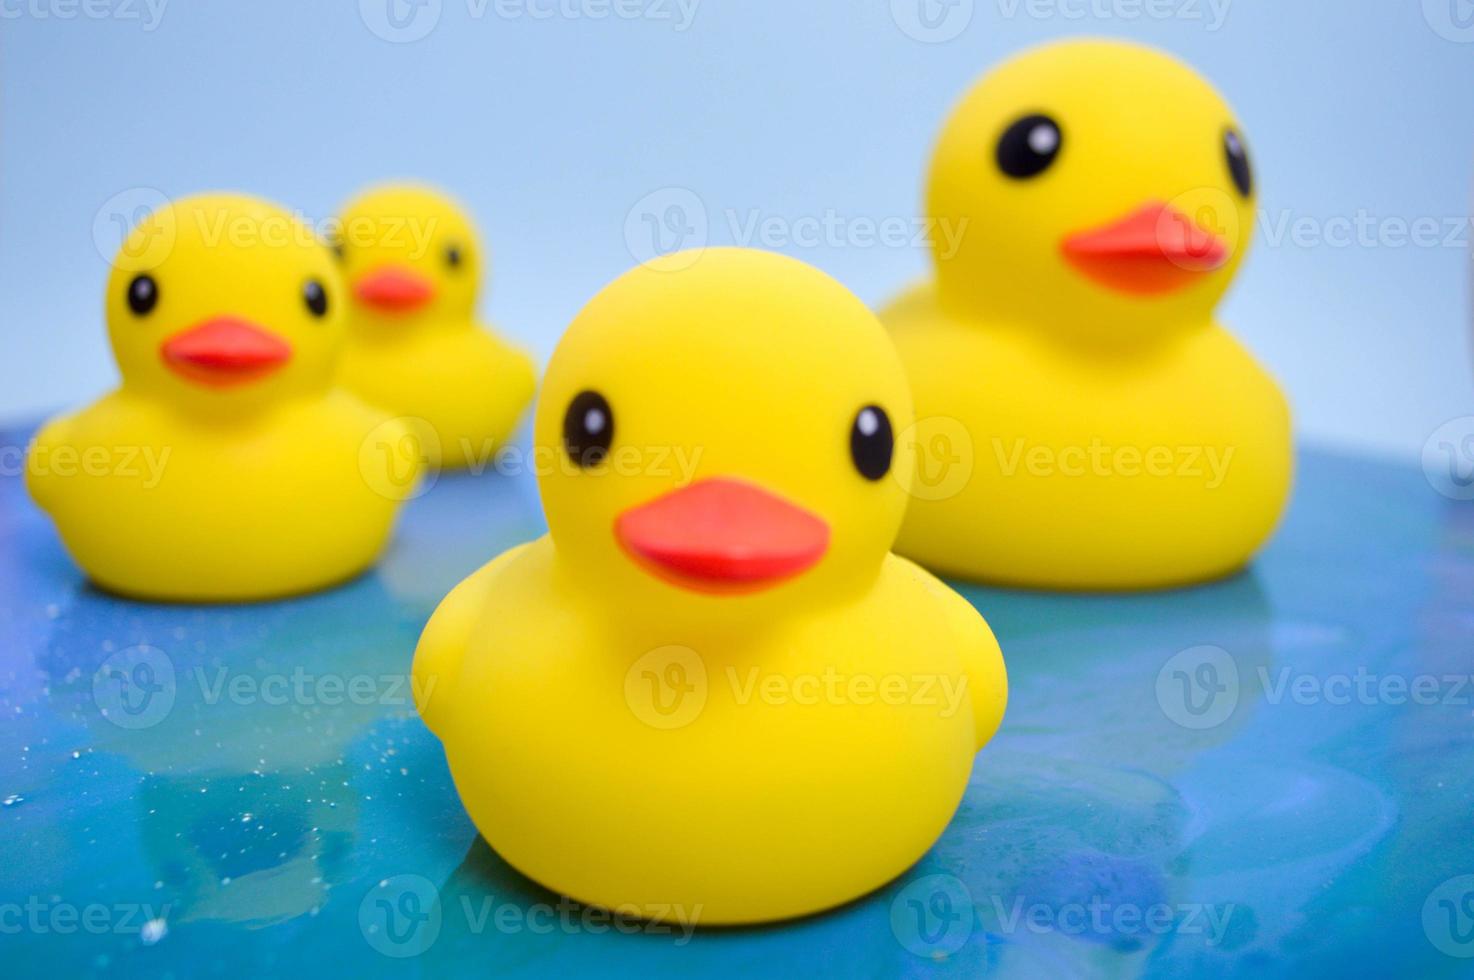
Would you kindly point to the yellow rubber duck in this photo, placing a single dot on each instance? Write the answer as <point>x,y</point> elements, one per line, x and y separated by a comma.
<point>711,693</point>
<point>227,465</point>
<point>414,263</point>
<point>1085,422</point>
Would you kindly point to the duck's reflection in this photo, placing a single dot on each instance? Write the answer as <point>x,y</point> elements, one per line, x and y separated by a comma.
<point>510,924</point>
<point>1067,839</point>
<point>249,849</point>
<point>238,721</point>
<point>1145,680</point>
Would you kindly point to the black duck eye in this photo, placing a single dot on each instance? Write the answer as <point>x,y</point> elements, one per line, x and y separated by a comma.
<point>588,428</point>
<point>453,256</point>
<point>143,294</point>
<point>315,297</point>
<point>1238,162</point>
<point>1029,146</point>
<point>871,442</point>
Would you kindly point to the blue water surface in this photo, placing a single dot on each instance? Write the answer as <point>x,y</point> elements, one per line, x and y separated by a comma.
<point>1266,776</point>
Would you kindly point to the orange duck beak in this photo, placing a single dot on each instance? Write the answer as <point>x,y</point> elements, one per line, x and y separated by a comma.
<point>394,289</point>
<point>722,536</point>
<point>225,351</point>
<point>1156,249</point>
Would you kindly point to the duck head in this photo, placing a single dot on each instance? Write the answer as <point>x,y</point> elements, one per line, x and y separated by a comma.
<point>411,258</point>
<point>719,432</point>
<point>1094,186</point>
<point>222,302</point>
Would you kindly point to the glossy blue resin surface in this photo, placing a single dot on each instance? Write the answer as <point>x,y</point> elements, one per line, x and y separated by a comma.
<point>1264,776</point>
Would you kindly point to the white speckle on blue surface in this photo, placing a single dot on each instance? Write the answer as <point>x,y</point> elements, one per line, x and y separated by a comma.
<point>153,930</point>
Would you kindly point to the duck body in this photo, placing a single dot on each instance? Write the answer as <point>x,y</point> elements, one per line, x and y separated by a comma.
<point>1088,468</point>
<point>201,509</point>
<point>1085,421</point>
<point>427,375</point>
<point>792,779</point>
<point>711,692</point>
<point>414,264</point>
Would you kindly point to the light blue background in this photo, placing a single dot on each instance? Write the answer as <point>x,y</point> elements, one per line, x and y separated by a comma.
<point>553,128</point>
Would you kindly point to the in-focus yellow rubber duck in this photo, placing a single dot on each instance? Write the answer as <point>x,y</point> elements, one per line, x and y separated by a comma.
<point>227,465</point>
<point>711,692</point>
<point>1085,422</point>
<point>414,264</point>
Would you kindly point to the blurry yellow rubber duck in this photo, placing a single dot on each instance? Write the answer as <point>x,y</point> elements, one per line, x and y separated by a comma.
<point>711,691</point>
<point>1086,423</point>
<point>413,264</point>
<point>227,465</point>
